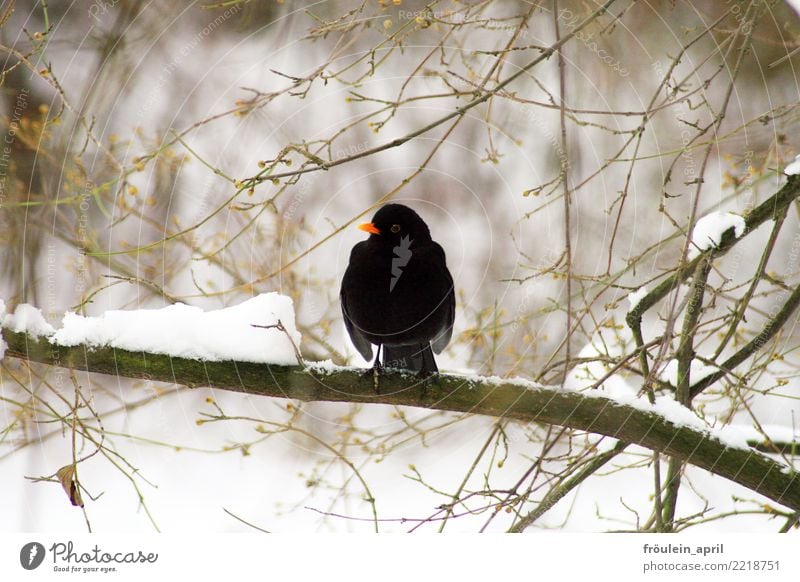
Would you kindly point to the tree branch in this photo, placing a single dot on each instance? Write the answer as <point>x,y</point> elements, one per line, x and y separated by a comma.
<point>499,398</point>
<point>771,209</point>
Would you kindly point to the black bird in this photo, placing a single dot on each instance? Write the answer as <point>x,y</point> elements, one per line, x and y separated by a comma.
<point>397,292</point>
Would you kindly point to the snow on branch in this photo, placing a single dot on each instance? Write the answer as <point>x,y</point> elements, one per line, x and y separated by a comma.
<point>99,345</point>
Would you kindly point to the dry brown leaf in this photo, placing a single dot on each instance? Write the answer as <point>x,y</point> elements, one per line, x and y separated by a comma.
<point>66,475</point>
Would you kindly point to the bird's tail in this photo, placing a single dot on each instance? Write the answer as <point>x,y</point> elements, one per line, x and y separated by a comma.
<point>414,357</point>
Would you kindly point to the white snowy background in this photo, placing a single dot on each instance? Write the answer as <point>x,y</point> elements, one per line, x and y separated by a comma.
<point>476,211</point>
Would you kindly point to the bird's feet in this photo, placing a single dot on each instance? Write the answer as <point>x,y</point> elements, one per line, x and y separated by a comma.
<point>427,375</point>
<point>425,379</point>
<point>375,372</point>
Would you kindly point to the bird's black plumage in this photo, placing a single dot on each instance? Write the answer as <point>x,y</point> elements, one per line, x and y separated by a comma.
<point>397,293</point>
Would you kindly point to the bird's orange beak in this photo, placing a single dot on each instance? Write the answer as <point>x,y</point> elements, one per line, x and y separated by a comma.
<point>369,227</point>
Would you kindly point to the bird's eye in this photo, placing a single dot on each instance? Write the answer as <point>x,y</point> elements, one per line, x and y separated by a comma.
<point>395,228</point>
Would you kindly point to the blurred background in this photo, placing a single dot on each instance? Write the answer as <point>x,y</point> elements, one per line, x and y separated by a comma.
<point>142,141</point>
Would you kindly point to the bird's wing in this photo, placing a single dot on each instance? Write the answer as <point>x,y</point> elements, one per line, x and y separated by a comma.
<point>362,344</point>
<point>444,335</point>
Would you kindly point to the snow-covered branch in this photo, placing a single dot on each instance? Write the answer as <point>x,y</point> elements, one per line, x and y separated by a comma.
<point>664,426</point>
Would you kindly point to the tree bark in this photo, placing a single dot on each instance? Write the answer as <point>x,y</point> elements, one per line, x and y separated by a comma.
<point>474,395</point>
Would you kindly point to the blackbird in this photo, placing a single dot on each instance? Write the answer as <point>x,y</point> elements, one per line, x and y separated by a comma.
<point>397,292</point>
